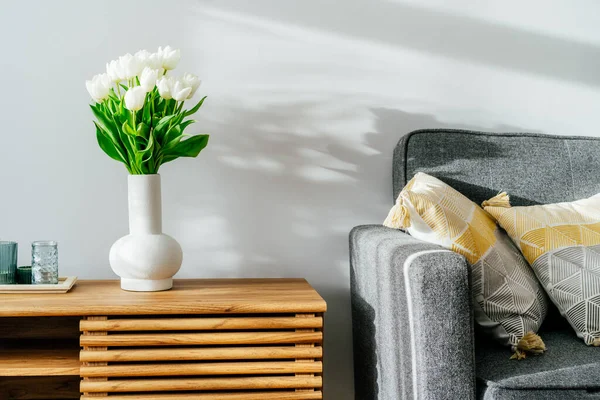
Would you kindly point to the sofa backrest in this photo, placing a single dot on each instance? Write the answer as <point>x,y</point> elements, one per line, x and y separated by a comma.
<point>531,168</point>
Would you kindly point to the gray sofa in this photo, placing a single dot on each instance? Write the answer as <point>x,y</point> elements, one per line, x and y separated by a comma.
<point>411,308</point>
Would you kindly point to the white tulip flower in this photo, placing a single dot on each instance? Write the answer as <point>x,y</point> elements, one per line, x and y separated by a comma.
<point>115,70</point>
<point>148,78</point>
<point>165,85</point>
<point>99,87</point>
<point>169,57</point>
<point>192,81</point>
<point>142,54</point>
<point>180,90</point>
<point>150,60</point>
<point>134,98</point>
<point>131,65</point>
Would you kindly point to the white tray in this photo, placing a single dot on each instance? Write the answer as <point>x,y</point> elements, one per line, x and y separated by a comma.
<point>63,286</point>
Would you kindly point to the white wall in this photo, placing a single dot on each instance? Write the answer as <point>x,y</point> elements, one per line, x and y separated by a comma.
<point>306,100</point>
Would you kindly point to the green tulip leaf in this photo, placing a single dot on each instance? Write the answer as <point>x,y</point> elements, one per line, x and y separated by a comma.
<point>146,113</point>
<point>113,96</point>
<point>144,156</point>
<point>128,129</point>
<point>164,122</point>
<point>157,154</point>
<point>142,130</point>
<point>185,124</point>
<point>195,108</point>
<point>189,147</point>
<point>107,145</point>
<point>148,151</point>
<point>128,145</point>
<point>168,158</point>
<point>122,113</point>
<point>104,121</point>
<point>172,134</point>
<point>140,142</point>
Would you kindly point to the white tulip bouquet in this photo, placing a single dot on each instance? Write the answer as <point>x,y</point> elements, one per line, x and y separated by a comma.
<point>139,110</point>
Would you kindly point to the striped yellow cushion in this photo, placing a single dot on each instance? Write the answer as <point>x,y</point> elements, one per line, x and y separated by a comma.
<point>508,300</point>
<point>562,243</point>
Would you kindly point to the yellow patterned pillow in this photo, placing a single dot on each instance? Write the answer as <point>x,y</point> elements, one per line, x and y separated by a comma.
<point>508,300</point>
<point>562,243</point>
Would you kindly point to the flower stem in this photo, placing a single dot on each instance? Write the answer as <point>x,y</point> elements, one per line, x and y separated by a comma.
<point>151,95</point>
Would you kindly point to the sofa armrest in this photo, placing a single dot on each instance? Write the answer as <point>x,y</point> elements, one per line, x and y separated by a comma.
<point>411,317</point>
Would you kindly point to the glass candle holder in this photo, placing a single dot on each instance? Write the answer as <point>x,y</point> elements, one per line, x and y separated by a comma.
<point>44,262</point>
<point>24,275</point>
<point>8,262</point>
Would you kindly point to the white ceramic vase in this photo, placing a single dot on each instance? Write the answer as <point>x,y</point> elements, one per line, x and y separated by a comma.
<point>146,259</point>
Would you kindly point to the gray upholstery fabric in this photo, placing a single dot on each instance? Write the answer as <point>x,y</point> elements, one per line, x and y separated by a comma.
<point>569,366</point>
<point>533,169</point>
<point>497,393</point>
<point>412,321</point>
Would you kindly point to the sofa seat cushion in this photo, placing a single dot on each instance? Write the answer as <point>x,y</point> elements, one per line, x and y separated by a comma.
<point>568,370</point>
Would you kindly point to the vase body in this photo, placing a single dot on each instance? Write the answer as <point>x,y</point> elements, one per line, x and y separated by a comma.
<point>146,259</point>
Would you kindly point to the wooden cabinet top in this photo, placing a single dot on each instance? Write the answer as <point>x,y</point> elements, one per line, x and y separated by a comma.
<point>188,296</point>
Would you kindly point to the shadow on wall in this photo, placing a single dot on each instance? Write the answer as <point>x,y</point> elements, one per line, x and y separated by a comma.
<point>294,177</point>
<point>439,33</point>
<point>289,193</point>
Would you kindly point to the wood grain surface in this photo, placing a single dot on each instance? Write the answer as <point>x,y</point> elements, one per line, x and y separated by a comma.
<point>221,368</point>
<point>195,324</point>
<point>152,385</point>
<point>39,362</point>
<point>200,354</point>
<point>188,296</point>
<point>179,339</point>
<point>92,349</point>
<point>271,395</point>
<point>216,339</point>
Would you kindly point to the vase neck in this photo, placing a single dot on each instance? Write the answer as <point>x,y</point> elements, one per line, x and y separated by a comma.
<point>145,208</point>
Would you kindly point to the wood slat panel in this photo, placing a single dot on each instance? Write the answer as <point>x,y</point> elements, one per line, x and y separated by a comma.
<point>151,385</point>
<point>219,353</point>
<point>317,395</point>
<point>192,324</point>
<point>237,338</point>
<point>305,361</point>
<point>92,349</point>
<point>233,368</point>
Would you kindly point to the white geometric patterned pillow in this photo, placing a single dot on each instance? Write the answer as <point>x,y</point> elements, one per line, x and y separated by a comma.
<point>562,243</point>
<point>508,300</point>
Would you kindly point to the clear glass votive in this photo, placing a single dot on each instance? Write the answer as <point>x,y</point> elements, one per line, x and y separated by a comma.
<point>8,262</point>
<point>44,262</point>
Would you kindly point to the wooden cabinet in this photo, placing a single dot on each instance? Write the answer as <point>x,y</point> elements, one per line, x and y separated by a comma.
<point>241,339</point>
